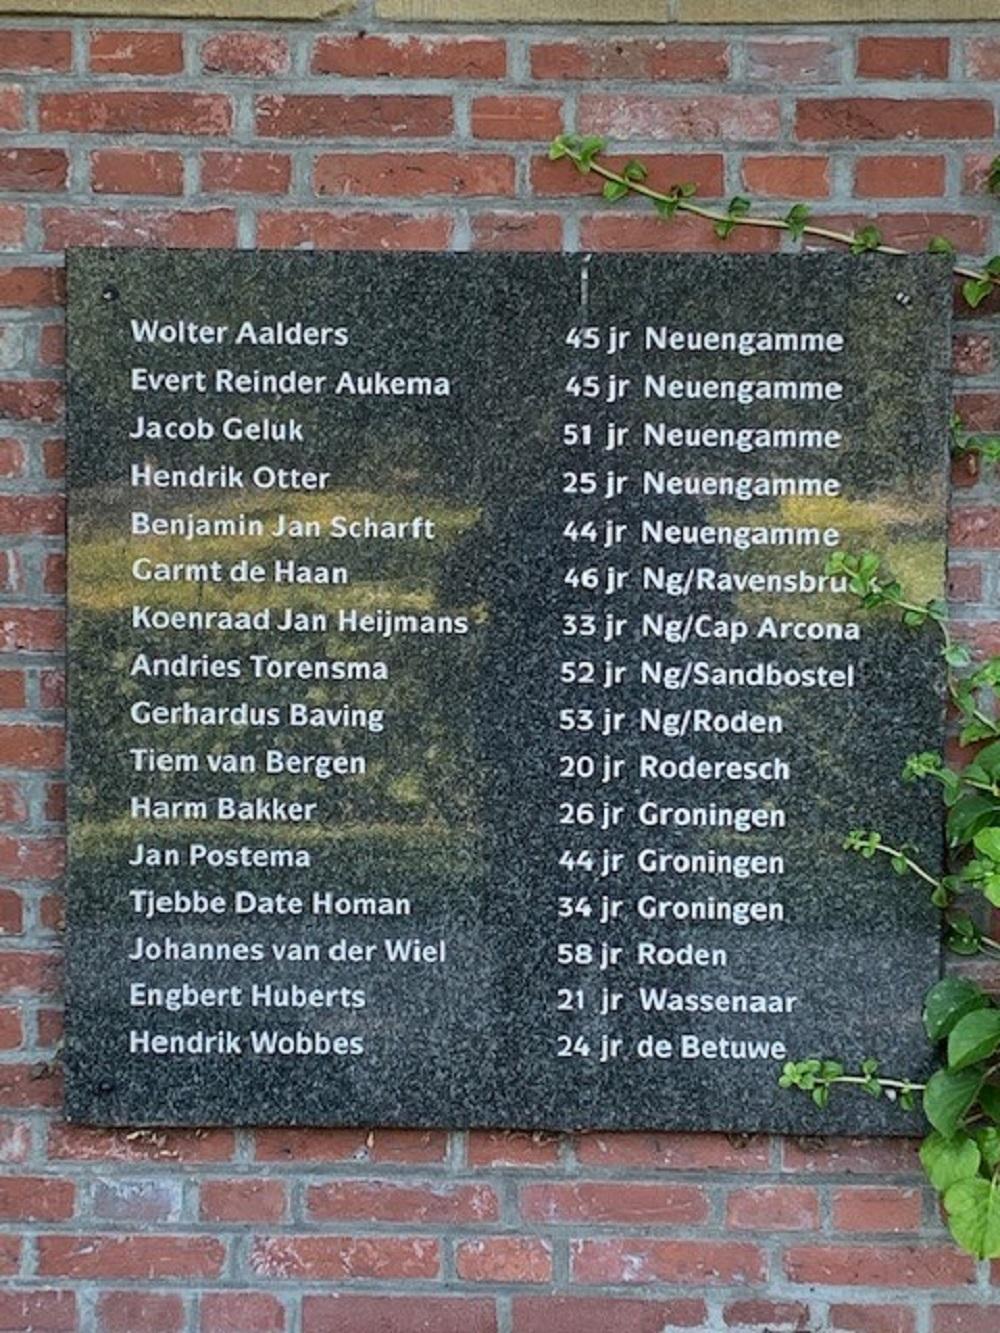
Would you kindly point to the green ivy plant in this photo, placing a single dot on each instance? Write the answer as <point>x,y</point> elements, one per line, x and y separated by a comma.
<point>961,1100</point>
<point>586,152</point>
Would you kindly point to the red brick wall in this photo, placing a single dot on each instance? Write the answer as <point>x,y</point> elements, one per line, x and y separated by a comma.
<point>300,136</point>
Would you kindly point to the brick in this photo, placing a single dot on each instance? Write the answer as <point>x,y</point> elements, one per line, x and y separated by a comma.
<point>634,1202</point>
<point>965,583</point>
<point>91,1257</point>
<point>674,1152</point>
<point>791,60</point>
<point>903,57</point>
<point>33,169</point>
<point>963,1319</point>
<point>13,219</point>
<point>10,1256</point>
<point>397,1314</point>
<point>502,1147</point>
<point>504,1259</point>
<point>11,108</point>
<point>64,227</point>
<point>367,56</point>
<point>241,1200</point>
<point>622,231</point>
<point>29,746</point>
<point>334,1258</point>
<point>339,116</point>
<point>877,118</point>
<point>975,172</point>
<point>401,1201</point>
<point>36,971</point>
<point>704,170</point>
<point>982,57</point>
<point>11,1039</point>
<point>15,1142</point>
<point>258,55</point>
<point>802,176</point>
<point>521,117</point>
<point>407,1146</point>
<point>52,689</point>
<point>135,112</point>
<point>978,528</point>
<point>12,689</point>
<point>11,923</point>
<point>773,1208</point>
<point>881,1210</point>
<point>27,49</point>
<point>772,1316</point>
<point>170,1146</point>
<point>29,1086</point>
<point>11,465</point>
<point>632,116</point>
<point>645,58</point>
<point>38,1311</point>
<point>136,171</point>
<point>851,1156</point>
<point>632,1260</point>
<point>25,515</point>
<point>241,1312</point>
<point>353,231</point>
<point>225,172</point>
<point>52,345</point>
<point>872,1319</point>
<point>972,354</point>
<point>594,1314</point>
<point>413,175</point>
<point>35,1199</point>
<point>969,234</point>
<point>37,287</point>
<point>126,1199</point>
<point>32,631</point>
<point>147,52</point>
<point>915,1266</point>
<point>901,176</point>
<point>516,231</point>
<point>55,802</point>
<point>979,411</point>
<point>129,1311</point>
<point>13,807</point>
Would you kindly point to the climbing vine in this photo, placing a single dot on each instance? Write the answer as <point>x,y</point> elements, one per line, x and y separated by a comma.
<point>961,1100</point>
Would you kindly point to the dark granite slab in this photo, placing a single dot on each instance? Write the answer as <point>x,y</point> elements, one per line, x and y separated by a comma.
<point>344,858</point>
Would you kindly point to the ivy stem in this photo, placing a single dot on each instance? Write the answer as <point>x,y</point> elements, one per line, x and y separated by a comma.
<point>682,205</point>
<point>902,1084</point>
<point>985,940</point>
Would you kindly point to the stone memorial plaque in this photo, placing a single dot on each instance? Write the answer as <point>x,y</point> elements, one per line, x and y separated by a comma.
<point>463,728</point>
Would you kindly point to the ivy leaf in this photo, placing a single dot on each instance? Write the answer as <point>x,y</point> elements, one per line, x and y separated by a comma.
<point>948,1096</point>
<point>614,190</point>
<point>988,1143</point>
<point>969,815</point>
<point>989,1100</point>
<point>973,1038</point>
<point>993,176</point>
<point>738,208</point>
<point>947,1002</point>
<point>948,1161</point>
<point>964,936</point>
<point>865,239</point>
<point>940,245</point>
<point>973,1208</point>
<point>976,290</point>
<point>558,148</point>
<point>957,655</point>
<point>583,151</point>
<point>796,219</point>
<point>634,170</point>
<point>667,206</point>
<point>987,841</point>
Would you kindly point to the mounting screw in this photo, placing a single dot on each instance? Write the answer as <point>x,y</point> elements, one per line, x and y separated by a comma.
<point>903,298</point>
<point>109,294</point>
